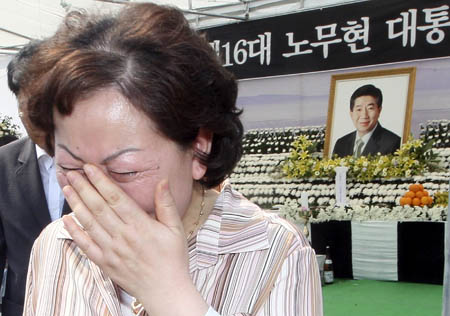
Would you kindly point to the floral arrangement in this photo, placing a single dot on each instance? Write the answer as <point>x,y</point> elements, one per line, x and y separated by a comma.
<point>355,212</point>
<point>441,198</point>
<point>278,140</point>
<point>437,131</point>
<point>444,157</point>
<point>294,212</point>
<point>268,192</point>
<point>8,128</point>
<point>413,158</point>
<point>260,178</point>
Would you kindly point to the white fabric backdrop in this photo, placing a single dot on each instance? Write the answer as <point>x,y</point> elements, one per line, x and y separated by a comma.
<point>374,250</point>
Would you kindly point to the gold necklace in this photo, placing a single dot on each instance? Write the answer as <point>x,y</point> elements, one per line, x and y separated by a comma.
<point>202,206</point>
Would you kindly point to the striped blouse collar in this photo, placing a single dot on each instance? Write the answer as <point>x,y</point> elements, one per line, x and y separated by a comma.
<point>235,225</point>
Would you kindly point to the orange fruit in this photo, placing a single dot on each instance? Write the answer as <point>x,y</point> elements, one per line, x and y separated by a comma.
<point>403,201</point>
<point>424,200</point>
<point>414,187</point>
<point>408,201</point>
<point>420,186</point>
<point>410,194</point>
<point>419,194</point>
<point>425,193</point>
<point>416,201</point>
<point>430,200</point>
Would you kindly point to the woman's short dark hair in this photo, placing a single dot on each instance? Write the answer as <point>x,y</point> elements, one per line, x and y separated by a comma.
<point>164,68</point>
<point>368,89</point>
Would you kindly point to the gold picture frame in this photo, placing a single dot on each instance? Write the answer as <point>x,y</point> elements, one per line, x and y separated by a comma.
<point>397,86</point>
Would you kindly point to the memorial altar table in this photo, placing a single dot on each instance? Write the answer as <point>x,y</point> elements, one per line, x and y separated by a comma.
<point>381,250</point>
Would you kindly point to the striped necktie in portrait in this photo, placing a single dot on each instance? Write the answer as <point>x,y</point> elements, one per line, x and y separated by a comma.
<point>359,146</point>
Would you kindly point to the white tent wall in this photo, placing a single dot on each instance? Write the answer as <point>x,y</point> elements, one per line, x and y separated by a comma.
<point>257,9</point>
<point>22,20</point>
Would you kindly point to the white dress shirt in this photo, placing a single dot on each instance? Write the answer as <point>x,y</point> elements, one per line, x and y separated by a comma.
<point>53,193</point>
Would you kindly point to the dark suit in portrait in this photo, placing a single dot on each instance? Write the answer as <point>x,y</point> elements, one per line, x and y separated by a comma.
<point>23,215</point>
<point>382,141</point>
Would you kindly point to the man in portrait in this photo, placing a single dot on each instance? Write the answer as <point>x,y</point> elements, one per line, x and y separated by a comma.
<point>370,137</point>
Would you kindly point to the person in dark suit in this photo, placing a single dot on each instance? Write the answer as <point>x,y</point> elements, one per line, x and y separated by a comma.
<point>369,138</point>
<point>7,139</point>
<point>30,197</point>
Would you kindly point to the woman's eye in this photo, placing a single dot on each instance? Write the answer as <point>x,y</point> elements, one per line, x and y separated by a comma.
<point>67,169</point>
<point>124,176</point>
<point>128,173</point>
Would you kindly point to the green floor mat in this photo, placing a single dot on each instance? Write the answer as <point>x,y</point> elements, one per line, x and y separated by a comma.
<point>381,298</point>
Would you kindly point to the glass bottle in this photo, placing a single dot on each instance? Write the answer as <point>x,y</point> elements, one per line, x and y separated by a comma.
<point>328,272</point>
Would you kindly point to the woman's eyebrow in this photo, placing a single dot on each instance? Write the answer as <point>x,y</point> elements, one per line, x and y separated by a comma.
<point>119,153</point>
<point>64,147</point>
<point>104,161</point>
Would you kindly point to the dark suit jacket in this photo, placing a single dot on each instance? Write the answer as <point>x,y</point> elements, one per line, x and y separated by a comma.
<point>23,215</point>
<point>382,141</point>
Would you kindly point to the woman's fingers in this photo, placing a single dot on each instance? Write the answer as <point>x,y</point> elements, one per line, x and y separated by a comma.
<point>132,248</point>
<point>125,207</point>
<point>92,208</point>
<point>84,240</point>
<point>166,210</point>
<point>114,226</point>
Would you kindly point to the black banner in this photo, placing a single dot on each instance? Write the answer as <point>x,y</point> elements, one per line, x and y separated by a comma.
<point>426,265</point>
<point>352,35</point>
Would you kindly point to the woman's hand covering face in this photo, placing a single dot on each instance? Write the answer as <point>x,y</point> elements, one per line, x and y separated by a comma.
<point>145,256</point>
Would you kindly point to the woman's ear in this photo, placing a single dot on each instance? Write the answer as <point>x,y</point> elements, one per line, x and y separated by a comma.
<point>201,147</point>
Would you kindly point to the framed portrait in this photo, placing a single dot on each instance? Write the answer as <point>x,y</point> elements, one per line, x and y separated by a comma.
<point>345,125</point>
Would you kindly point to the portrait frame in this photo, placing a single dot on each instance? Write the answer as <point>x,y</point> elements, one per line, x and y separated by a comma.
<point>397,86</point>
